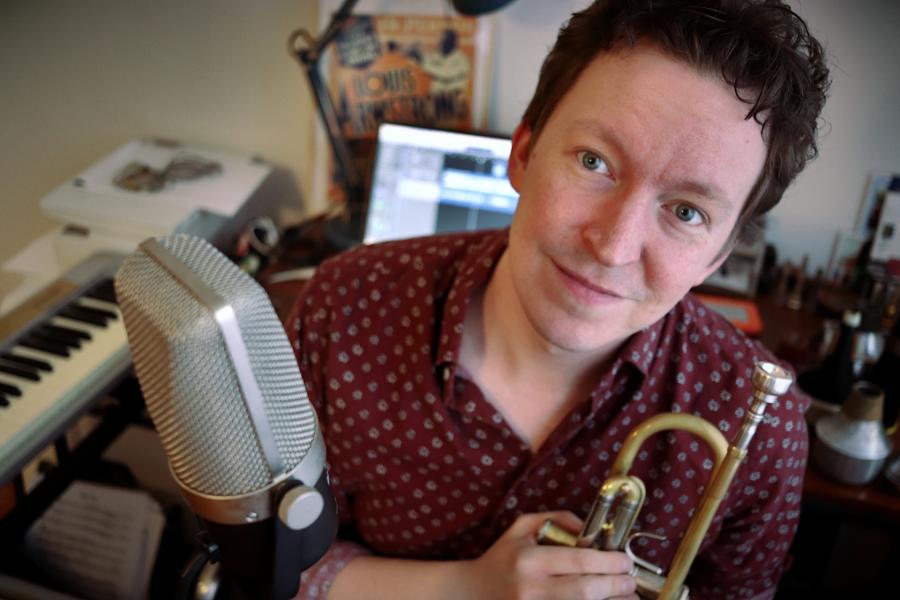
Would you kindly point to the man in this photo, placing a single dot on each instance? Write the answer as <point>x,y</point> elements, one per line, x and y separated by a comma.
<point>470,386</point>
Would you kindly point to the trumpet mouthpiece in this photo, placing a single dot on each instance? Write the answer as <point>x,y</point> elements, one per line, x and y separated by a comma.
<point>771,379</point>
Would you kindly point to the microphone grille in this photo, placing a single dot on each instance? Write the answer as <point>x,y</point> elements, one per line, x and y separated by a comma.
<point>189,380</point>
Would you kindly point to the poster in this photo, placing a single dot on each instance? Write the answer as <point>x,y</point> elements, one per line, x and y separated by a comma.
<point>420,70</point>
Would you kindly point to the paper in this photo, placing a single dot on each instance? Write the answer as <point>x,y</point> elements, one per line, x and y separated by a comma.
<point>99,542</point>
<point>223,193</point>
<point>93,201</point>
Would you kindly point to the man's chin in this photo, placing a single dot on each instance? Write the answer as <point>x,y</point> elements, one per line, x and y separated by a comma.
<point>575,339</point>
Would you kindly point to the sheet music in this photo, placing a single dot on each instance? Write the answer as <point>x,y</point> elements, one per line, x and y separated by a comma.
<point>99,542</point>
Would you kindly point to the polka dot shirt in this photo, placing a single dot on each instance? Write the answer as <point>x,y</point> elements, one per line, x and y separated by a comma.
<point>424,467</point>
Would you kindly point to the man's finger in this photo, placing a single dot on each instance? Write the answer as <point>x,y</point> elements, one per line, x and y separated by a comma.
<point>592,586</point>
<point>562,560</point>
<point>528,524</point>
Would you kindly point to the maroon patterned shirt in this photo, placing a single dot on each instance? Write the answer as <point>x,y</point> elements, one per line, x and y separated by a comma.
<point>424,467</point>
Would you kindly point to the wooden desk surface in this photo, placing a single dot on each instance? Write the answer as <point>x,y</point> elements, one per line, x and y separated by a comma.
<point>787,333</point>
<point>878,499</point>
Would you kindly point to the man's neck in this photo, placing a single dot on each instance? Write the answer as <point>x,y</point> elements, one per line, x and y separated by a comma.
<point>533,383</point>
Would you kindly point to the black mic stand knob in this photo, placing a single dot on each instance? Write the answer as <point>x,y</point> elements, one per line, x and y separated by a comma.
<point>200,577</point>
<point>208,581</point>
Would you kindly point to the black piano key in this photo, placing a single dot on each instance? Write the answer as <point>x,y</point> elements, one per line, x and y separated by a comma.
<point>109,314</point>
<point>70,332</point>
<point>19,370</point>
<point>48,336</point>
<point>9,389</point>
<point>36,343</point>
<point>41,365</point>
<point>105,291</point>
<point>4,401</point>
<point>94,316</point>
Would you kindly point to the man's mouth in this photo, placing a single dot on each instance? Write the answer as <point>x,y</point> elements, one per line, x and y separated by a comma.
<point>586,289</point>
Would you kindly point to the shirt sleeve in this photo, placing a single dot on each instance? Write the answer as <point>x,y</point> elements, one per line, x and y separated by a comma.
<point>307,329</point>
<point>316,581</point>
<point>751,551</point>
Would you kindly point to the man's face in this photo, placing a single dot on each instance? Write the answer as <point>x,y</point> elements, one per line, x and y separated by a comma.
<point>627,197</point>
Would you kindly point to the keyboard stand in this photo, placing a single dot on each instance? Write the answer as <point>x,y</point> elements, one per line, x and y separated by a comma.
<point>126,410</point>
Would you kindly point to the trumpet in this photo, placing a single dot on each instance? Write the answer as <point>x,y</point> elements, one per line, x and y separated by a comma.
<point>626,493</point>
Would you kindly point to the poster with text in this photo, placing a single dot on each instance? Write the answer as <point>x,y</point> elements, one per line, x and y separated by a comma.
<point>420,70</point>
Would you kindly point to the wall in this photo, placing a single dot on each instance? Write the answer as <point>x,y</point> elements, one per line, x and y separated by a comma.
<point>80,78</point>
<point>863,124</point>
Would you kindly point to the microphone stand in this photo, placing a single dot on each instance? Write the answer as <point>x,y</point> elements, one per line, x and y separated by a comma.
<point>229,566</point>
<point>190,585</point>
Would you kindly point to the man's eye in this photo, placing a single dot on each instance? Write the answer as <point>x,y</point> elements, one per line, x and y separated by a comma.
<point>592,162</point>
<point>688,214</point>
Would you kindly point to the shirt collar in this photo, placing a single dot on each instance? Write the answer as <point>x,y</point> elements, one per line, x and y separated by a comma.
<point>641,347</point>
<point>474,271</point>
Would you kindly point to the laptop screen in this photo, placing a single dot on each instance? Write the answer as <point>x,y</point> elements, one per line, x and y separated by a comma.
<point>427,181</point>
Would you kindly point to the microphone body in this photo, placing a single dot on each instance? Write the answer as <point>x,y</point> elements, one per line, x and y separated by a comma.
<point>223,389</point>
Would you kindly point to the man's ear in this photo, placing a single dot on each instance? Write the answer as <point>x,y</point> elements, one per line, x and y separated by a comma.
<point>518,156</point>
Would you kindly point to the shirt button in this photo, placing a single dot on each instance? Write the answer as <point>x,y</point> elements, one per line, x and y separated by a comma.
<point>446,373</point>
<point>511,502</point>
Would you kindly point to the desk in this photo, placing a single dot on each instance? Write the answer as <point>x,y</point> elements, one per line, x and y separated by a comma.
<point>787,333</point>
<point>876,501</point>
<point>849,535</point>
<point>283,294</point>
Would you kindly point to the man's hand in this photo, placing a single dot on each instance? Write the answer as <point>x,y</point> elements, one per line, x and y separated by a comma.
<point>516,567</point>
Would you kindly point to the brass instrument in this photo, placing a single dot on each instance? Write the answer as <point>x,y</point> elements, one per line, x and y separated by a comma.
<point>613,532</point>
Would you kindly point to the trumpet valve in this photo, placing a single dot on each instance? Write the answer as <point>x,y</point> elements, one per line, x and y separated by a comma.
<point>552,534</point>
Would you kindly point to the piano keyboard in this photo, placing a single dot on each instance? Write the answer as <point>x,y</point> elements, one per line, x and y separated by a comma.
<point>59,351</point>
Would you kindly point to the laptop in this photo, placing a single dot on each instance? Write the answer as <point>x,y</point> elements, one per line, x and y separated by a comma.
<point>426,181</point>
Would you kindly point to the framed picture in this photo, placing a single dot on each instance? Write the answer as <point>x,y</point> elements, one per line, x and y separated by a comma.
<point>878,184</point>
<point>739,274</point>
<point>845,253</point>
<point>886,242</point>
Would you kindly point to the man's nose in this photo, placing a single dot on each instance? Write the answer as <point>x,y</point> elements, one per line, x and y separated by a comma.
<point>617,232</point>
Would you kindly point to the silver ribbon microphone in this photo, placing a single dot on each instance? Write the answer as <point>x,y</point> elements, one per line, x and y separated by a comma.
<point>223,389</point>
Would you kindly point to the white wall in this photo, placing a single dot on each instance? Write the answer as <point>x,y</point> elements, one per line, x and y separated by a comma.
<point>862,40</point>
<point>78,78</point>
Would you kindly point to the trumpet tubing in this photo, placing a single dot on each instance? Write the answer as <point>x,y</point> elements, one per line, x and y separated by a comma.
<point>608,530</point>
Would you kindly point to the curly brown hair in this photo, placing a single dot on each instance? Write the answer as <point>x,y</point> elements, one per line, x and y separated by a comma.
<point>762,48</point>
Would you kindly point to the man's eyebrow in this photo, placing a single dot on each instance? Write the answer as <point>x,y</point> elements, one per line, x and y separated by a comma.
<point>706,190</point>
<point>597,130</point>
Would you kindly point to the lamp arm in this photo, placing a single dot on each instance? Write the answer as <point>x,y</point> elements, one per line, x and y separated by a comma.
<point>309,57</point>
